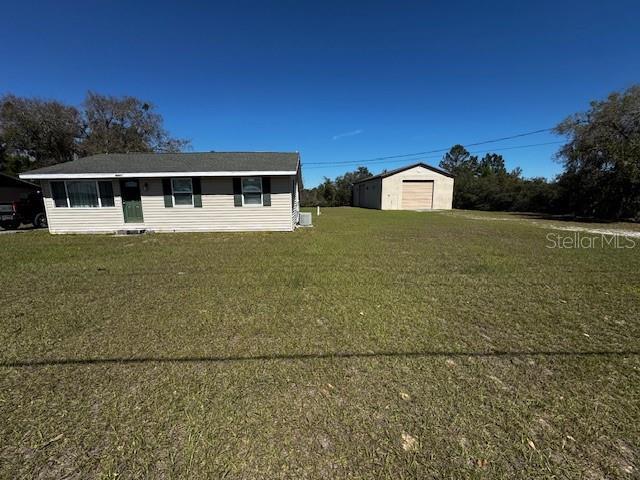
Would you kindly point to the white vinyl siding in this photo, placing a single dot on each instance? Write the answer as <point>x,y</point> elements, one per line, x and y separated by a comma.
<point>79,220</point>
<point>217,213</point>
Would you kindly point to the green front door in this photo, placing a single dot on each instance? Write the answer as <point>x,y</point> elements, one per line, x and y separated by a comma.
<point>131,204</point>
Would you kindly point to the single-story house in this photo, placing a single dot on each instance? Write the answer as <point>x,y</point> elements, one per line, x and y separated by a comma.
<point>172,192</point>
<point>414,187</point>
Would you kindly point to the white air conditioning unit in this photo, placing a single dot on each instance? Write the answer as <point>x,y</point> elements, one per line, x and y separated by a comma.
<point>305,219</point>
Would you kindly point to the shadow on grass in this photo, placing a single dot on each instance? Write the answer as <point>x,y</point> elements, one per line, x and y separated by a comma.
<point>309,356</point>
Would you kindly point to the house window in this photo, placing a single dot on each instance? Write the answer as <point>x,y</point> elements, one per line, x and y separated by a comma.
<point>182,189</point>
<point>83,194</point>
<point>252,191</point>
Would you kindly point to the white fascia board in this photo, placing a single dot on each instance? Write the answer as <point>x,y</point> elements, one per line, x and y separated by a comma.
<point>69,176</point>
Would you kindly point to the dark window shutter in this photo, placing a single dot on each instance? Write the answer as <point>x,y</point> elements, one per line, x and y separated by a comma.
<point>266,191</point>
<point>197,192</point>
<point>166,190</point>
<point>59,194</point>
<point>237,192</point>
<point>106,193</point>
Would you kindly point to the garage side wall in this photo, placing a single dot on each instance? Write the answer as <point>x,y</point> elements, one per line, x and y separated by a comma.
<point>368,194</point>
<point>442,188</point>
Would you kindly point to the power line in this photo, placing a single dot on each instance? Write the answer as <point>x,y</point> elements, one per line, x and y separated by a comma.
<point>361,162</point>
<point>438,156</point>
<point>439,150</point>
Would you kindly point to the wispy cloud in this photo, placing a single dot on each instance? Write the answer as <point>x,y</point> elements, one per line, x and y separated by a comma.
<point>353,133</point>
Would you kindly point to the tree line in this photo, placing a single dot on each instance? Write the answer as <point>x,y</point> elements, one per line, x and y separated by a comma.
<point>601,156</point>
<point>600,178</point>
<point>480,184</point>
<point>36,133</point>
<point>333,193</point>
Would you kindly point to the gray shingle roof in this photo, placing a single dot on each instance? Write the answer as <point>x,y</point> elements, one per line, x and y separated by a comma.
<point>402,169</point>
<point>110,163</point>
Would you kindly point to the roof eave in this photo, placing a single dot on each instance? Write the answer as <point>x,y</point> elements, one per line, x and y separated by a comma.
<point>402,169</point>
<point>70,176</point>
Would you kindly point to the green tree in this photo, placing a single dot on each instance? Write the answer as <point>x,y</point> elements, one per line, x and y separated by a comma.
<point>327,193</point>
<point>334,193</point>
<point>36,133</point>
<point>460,163</point>
<point>124,124</point>
<point>459,160</point>
<point>492,164</point>
<point>344,185</point>
<point>487,185</point>
<point>602,157</point>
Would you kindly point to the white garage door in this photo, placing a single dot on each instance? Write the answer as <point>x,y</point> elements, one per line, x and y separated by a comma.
<point>417,194</point>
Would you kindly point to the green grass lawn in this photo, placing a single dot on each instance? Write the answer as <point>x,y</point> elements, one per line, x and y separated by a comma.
<point>374,345</point>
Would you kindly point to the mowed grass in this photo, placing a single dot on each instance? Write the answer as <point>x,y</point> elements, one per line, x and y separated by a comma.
<point>374,345</point>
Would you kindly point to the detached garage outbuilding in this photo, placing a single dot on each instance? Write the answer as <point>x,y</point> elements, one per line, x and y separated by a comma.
<point>414,187</point>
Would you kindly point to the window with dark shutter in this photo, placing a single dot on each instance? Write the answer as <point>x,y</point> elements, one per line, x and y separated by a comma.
<point>106,193</point>
<point>266,191</point>
<point>59,194</point>
<point>237,192</point>
<point>197,192</point>
<point>166,191</point>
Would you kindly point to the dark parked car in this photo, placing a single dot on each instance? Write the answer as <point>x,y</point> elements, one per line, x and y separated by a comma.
<point>20,202</point>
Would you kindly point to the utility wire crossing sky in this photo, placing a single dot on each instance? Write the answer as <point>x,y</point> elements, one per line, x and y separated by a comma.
<point>445,149</point>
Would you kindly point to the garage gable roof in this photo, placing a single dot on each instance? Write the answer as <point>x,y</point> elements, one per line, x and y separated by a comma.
<point>402,169</point>
<point>110,165</point>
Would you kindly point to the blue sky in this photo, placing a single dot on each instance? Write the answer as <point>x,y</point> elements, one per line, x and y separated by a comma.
<point>337,81</point>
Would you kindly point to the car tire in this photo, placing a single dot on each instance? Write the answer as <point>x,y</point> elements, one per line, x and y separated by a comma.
<point>10,225</point>
<point>40,220</point>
